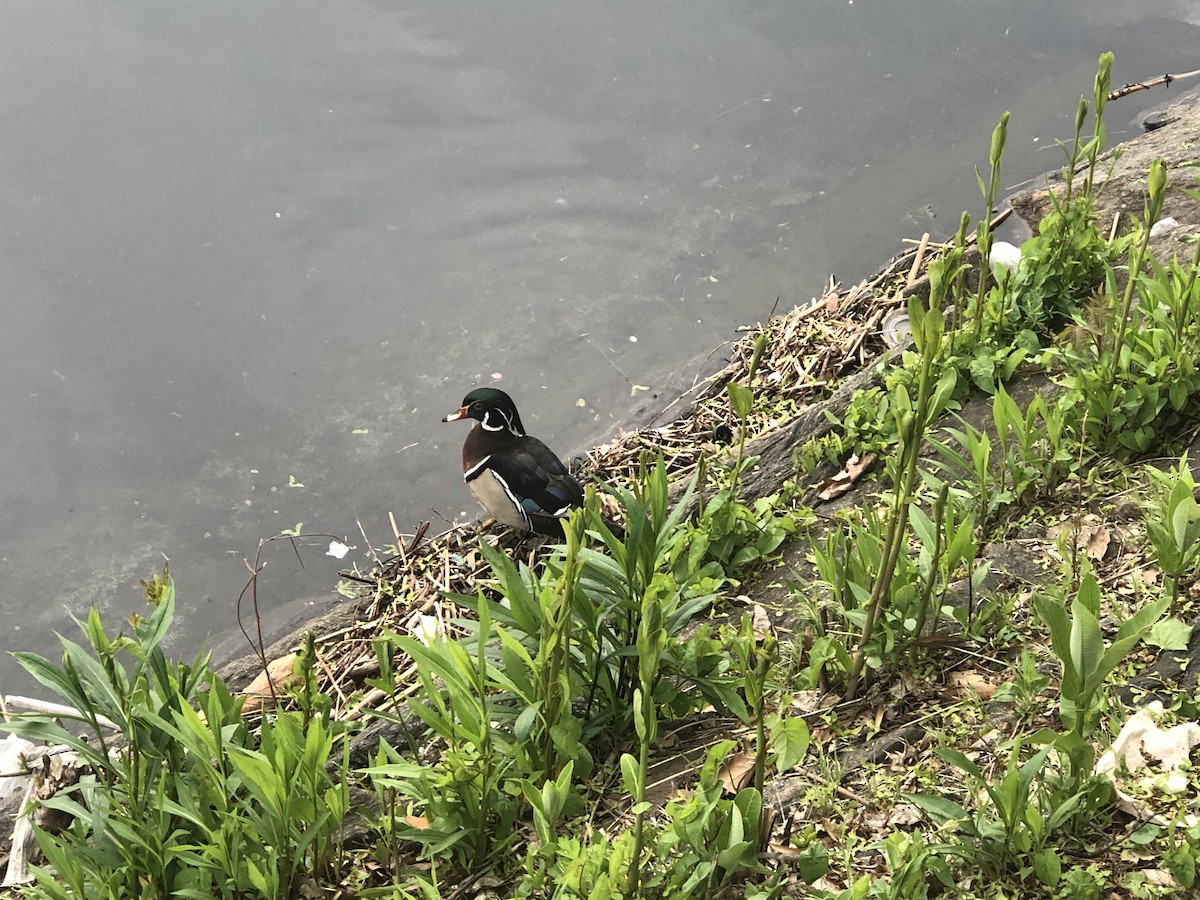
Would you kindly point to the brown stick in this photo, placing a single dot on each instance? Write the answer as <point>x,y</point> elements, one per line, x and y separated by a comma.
<point>1146,85</point>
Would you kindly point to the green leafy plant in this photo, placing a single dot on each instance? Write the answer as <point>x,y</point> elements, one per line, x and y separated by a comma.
<point>738,535</point>
<point>755,656</point>
<point>1033,456</point>
<point>711,840</point>
<point>1026,689</point>
<point>1010,833</point>
<point>913,416</point>
<point>1183,854</point>
<point>1065,262</point>
<point>190,803</point>
<point>1078,642</point>
<point>1095,146</point>
<point>983,231</point>
<point>657,555</point>
<point>463,796</point>
<point>1173,522</point>
<point>847,561</point>
<point>650,644</point>
<point>1134,381</point>
<point>1156,193</point>
<point>296,805</point>
<point>948,546</point>
<point>919,869</point>
<point>741,398</point>
<point>548,803</point>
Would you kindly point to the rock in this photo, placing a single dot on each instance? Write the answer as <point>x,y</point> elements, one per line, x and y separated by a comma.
<point>1155,119</point>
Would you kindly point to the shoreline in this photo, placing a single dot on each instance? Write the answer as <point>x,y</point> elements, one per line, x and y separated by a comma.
<point>847,320</point>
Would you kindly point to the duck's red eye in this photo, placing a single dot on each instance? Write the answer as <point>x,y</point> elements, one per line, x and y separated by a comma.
<point>478,404</point>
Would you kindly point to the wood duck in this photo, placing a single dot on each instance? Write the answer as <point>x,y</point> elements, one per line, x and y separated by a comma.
<point>517,478</point>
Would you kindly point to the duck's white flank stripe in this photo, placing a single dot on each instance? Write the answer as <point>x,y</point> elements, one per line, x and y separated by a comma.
<point>474,471</point>
<point>514,500</point>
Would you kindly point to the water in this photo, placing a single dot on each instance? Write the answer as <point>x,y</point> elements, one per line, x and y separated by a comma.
<point>249,247</point>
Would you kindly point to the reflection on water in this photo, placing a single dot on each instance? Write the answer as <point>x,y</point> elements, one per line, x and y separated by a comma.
<point>251,254</point>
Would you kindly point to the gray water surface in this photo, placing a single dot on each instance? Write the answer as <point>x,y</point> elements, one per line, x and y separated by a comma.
<point>246,247</point>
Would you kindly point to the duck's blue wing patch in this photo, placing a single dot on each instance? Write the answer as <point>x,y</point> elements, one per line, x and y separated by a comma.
<point>540,479</point>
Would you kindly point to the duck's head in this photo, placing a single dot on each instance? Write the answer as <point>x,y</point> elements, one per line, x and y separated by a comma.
<point>493,408</point>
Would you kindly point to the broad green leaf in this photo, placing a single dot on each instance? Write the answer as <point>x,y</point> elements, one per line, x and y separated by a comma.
<point>940,809</point>
<point>259,879</point>
<point>1087,643</point>
<point>959,761</point>
<point>629,774</point>
<point>922,526</point>
<point>1063,812</point>
<point>789,739</point>
<point>1142,619</point>
<point>1184,519</point>
<point>814,862</point>
<point>741,398</point>
<point>1051,611</point>
<point>1047,866</point>
<point>1169,634</point>
<point>943,392</point>
<point>1127,635</point>
<point>1030,770</point>
<point>734,830</point>
<point>1089,594</point>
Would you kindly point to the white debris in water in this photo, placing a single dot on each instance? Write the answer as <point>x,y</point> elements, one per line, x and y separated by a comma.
<point>337,550</point>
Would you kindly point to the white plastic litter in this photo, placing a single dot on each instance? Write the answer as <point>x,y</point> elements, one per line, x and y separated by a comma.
<point>1152,758</point>
<point>1164,226</point>
<point>1004,256</point>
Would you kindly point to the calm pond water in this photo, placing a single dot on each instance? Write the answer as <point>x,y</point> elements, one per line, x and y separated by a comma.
<point>251,253</point>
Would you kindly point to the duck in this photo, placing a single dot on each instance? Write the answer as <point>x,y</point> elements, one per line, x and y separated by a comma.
<point>518,479</point>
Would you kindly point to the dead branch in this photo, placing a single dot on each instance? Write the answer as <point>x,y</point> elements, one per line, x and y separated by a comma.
<point>1146,85</point>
